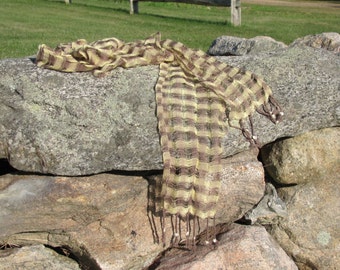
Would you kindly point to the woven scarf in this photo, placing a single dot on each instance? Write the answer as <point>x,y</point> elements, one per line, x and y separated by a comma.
<point>197,98</point>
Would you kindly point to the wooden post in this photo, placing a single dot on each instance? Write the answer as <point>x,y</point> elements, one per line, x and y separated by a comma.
<point>236,12</point>
<point>134,7</point>
<point>234,4</point>
<point>68,1</point>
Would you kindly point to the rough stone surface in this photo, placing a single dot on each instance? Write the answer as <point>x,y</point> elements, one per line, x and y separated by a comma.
<point>75,124</point>
<point>329,41</point>
<point>308,168</point>
<point>94,215</point>
<point>241,248</point>
<point>35,257</point>
<point>235,46</point>
<point>270,210</point>
<point>51,119</point>
<point>242,187</point>
<point>303,158</point>
<point>310,233</point>
<point>301,81</point>
<point>103,219</point>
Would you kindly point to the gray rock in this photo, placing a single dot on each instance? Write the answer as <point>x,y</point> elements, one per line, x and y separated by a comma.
<point>35,257</point>
<point>303,158</point>
<point>310,233</point>
<point>76,124</point>
<point>235,46</point>
<point>328,41</point>
<point>305,81</point>
<point>270,210</point>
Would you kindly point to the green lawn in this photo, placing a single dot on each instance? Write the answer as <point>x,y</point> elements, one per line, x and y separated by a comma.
<point>24,24</point>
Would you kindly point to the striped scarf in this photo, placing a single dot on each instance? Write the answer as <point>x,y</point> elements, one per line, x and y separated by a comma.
<point>197,98</point>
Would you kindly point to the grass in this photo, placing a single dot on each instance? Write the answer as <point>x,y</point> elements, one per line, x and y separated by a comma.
<point>24,24</point>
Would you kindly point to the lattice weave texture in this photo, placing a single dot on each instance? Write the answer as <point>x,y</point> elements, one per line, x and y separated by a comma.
<point>196,96</point>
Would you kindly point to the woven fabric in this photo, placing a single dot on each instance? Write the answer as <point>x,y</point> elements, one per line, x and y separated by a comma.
<point>197,96</point>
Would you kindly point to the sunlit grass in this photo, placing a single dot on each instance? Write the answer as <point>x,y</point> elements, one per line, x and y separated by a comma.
<point>24,24</point>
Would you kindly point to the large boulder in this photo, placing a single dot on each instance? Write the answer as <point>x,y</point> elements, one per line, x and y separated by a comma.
<point>307,169</point>
<point>76,124</point>
<point>103,219</point>
<point>303,158</point>
<point>310,232</point>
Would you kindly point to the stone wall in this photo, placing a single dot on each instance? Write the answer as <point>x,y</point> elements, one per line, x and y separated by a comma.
<point>79,157</point>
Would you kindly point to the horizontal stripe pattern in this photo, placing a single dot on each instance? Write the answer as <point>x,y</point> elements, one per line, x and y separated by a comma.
<point>195,96</point>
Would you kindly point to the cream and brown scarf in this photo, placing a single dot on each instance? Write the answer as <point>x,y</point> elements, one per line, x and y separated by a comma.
<point>197,98</point>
